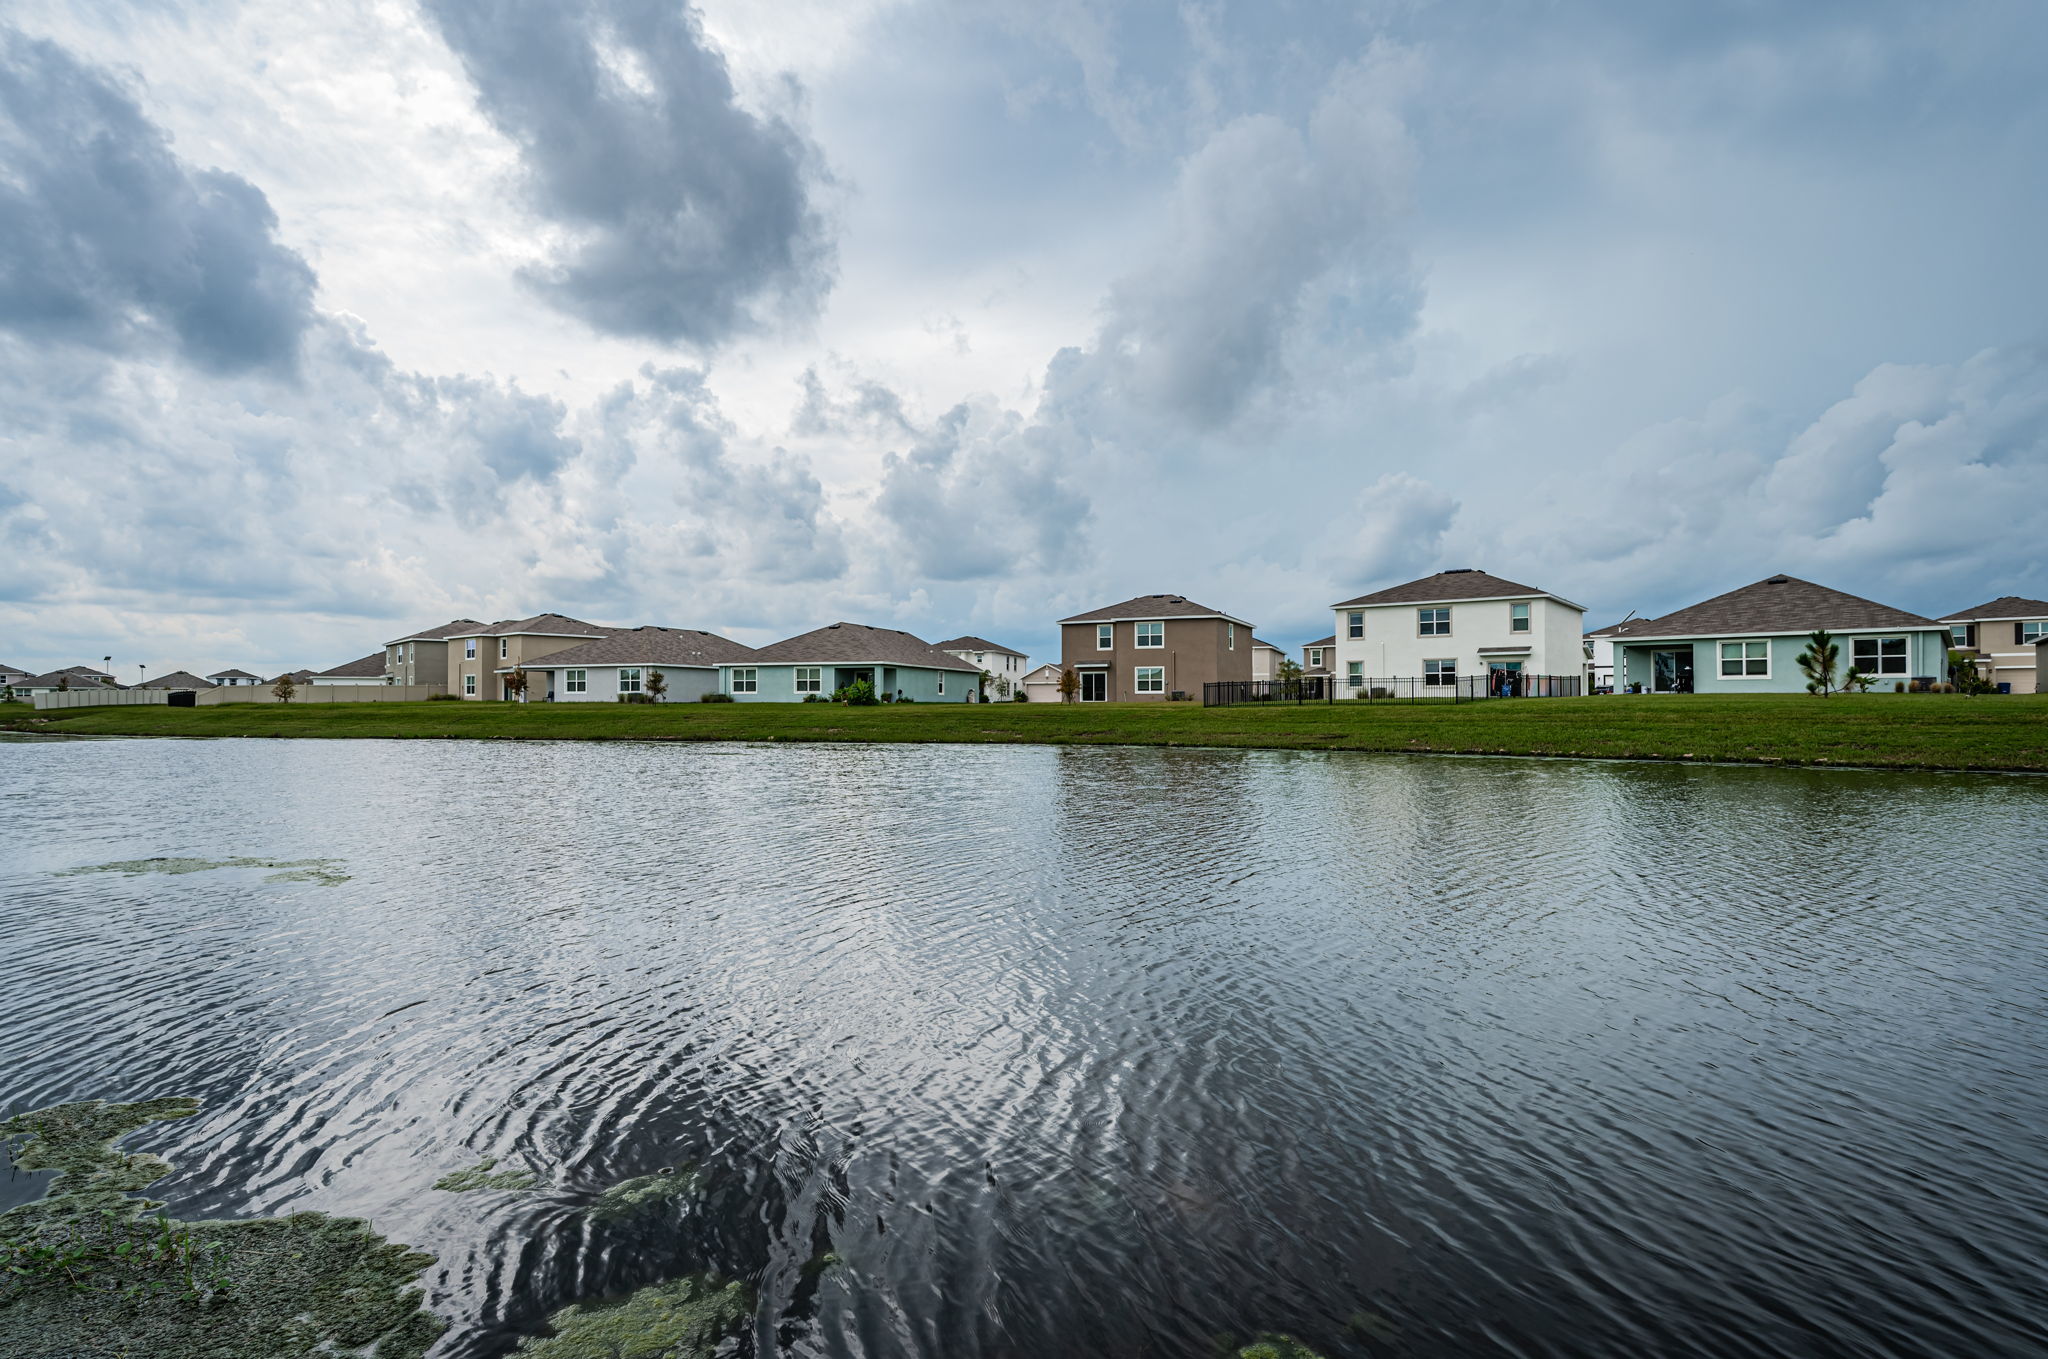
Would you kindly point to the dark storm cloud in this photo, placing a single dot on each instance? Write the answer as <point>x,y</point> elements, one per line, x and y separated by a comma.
<point>687,214</point>
<point>107,238</point>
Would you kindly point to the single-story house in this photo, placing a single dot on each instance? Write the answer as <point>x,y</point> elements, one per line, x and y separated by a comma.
<point>2001,637</point>
<point>229,679</point>
<point>1043,684</point>
<point>70,677</point>
<point>362,670</point>
<point>1747,641</point>
<point>1005,667</point>
<point>1266,660</point>
<point>177,679</point>
<point>1462,621</point>
<point>620,665</point>
<point>831,658</point>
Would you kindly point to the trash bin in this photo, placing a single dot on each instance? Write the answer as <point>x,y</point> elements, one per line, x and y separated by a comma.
<point>2005,687</point>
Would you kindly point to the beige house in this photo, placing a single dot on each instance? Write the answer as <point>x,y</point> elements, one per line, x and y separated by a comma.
<point>177,679</point>
<point>480,659</point>
<point>2002,637</point>
<point>422,657</point>
<point>1266,660</point>
<point>362,670</point>
<point>1153,647</point>
<point>1318,656</point>
<point>1042,685</point>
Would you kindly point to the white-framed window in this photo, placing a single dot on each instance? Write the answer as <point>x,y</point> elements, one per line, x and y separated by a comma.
<point>1230,635</point>
<point>1745,660</point>
<point>810,679</point>
<point>2032,631</point>
<point>1354,674</point>
<point>1105,636</point>
<point>1518,618</point>
<point>1151,634</point>
<point>1962,634</point>
<point>1439,673</point>
<point>979,658</point>
<point>1151,679</point>
<point>1432,622</point>
<point>575,682</point>
<point>504,648</point>
<point>746,680</point>
<point>1354,623</point>
<point>469,649</point>
<point>1880,655</point>
<point>1315,656</point>
<point>942,681</point>
<point>629,679</point>
<point>469,685</point>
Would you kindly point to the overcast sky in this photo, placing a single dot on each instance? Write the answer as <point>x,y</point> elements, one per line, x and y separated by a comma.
<point>324,321</point>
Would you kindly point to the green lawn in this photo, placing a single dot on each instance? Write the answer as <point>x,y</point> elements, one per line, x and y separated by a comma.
<point>1927,731</point>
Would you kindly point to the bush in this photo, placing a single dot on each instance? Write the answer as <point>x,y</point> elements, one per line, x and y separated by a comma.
<point>1898,686</point>
<point>906,699</point>
<point>1020,697</point>
<point>888,697</point>
<point>814,698</point>
<point>714,698</point>
<point>636,698</point>
<point>444,698</point>
<point>861,694</point>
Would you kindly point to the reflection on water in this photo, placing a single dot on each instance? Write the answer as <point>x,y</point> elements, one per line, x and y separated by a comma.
<point>1020,1052</point>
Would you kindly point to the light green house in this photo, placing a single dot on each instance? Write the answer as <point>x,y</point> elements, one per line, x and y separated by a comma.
<point>828,659</point>
<point>1748,642</point>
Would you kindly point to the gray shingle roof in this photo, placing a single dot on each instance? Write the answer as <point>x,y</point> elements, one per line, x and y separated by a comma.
<point>79,675</point>
<point>1453,585</point>
<point>858,644</point>
<point>1331,640</point>
<point>177,679</point>
<point>976,644</point>
<point>231,674</point>
<point>1780,604</point>
<point>1268,645</point>
<point>650,646</point>
<point>2004,608</point>
<point>456,627</point>
<point>364,667</point>
<point>12,670</point>
<point>1153,606</point>
<point>551,624</point>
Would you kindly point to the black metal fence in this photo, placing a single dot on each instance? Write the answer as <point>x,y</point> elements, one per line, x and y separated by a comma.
<point>1395,689</point>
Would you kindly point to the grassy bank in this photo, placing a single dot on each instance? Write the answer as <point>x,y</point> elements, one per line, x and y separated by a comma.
<point>1926,731</point>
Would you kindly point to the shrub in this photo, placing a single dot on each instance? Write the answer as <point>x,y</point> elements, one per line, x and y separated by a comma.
<point>636,698</point>
<point>714,698</point>
<point>444,698</point>
<point>861,694</point>
<point>888,698</point>
<point>814,698</point>
<point>1898,686</point>
<point>1019,697</point>
<point>906,699</point>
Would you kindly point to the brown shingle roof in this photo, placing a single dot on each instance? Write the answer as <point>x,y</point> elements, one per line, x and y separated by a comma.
<point>177,679</point>
<point>1780,604</point>
<point>650,646</point>
<point>1331,640</point>
<point>1153,606</point>
<point>456,627</point>
<point>2003,609</point>
<point>1456,584</point>
<point>858,644</point>
<point>364,667</point>
<point>976,644</point>
<point>550,624</point>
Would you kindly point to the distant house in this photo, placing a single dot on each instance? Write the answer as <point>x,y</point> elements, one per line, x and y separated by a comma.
<point>2001,638</point>
<point>1747,641</point>
<point>1043,684</point>
<point>230,679</point>
<point>1005,667</point>
<point>1318,656</point>
<point>176,679</point>
<point>298,677</point>
<point>1457,622</point>
<point>2041,665</point>
<point>1266,660</point>
<point>838,655</point>
<point>620,665</point>
<point>479,657</point>
<point>1150,647</point>
<point>362,670</point>
<point>422,657</point>
<point>70,677</point>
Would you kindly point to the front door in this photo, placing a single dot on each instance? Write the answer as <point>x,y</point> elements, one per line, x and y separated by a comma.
<point>1671,672</point>
<point>1094,686</point>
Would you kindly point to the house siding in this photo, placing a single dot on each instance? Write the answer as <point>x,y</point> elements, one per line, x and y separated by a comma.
<point>685,683</point>
<point>1197,651</point>
<point>777,682</point>
<point>2002,657</point>
<point>1392,647</point>
<point>1926,655</point>
<point>523,650</point>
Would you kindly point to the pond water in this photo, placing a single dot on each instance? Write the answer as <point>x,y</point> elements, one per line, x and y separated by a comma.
<point>1082,1051</point>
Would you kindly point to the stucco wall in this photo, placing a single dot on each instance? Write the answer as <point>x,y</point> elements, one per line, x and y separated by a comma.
<point>1926,655</point>
<point>685,683</point>
<point>777,683</point>
<point>1393,647</point>
<point>1197,651</point>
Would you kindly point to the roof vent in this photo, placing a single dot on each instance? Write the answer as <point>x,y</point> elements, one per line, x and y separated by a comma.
<point>1778,580</point>
<point>1458,571</point>
<point>830,626</point>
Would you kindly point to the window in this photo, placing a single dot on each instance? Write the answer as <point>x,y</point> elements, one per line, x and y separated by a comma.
<point>1315,656</point>
<point>746,680</point>
<point>504,648</point>
<point>979,658</point>
<point>469,650</point>
<point>1354,624</point>
<point>469,685</point>
<point>1881,655</point>
<point>1105,636</point>
<point>1151,679</point>
<point>1439,673</point>
<point>575,682</point>
<point>1745,660</point>
<point>1432,622</point>
<point>2030,632</point>
<point>942,681</point>
<point>1230,635</point>
<point>629,679</point>
<point>810,679</point>
<point>1518,618</point>
<point>1151,634</point>
<point>1354,673</point>
<point>1962,634</point>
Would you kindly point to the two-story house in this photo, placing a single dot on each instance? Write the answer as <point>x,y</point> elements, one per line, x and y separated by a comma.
<point>1458,622</point>
<point>233,679</point>
<point>1152,647</point>
<point>1005,668</point>
<point>422,657</point>
<point>479,660</point>
<point>1318,656</point>
<point>2000,637</point>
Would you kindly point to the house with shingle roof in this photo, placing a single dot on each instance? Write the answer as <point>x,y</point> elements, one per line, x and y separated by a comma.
<point>825,660</point>
<point>1460,622</point>
<point>621,665</point>
<point>176,679</point>
<point>230,679</point>
<point>421,656</point>
<point>2000,637</point>
<point>1153,647</point>
<point>362,670</point>
<point>1748,640</point>
<point>70,677</point>
<point>1005,668</point>
<point>479,656</point>
<point>1318,656</point>
<point>1266,659</point>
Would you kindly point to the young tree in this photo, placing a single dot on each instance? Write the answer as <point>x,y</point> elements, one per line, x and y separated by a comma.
<point>63,683</point>
<point>1070,684</point>
<point>285,688</point>
<point>981,686</point>
<point>657,683</point>
<point>516,682</point>
<point>1964,674</point>
<point>1819,661</point>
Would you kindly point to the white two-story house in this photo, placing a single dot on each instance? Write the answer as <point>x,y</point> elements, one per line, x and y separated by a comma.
<point>1456,623</point>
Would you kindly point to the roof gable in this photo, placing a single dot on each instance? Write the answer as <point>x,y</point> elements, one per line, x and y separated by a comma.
<point>858,644</point>
<point>1458,583</point>
<point>976,644</point>
<point>1777,604</point>
<point>363,667</point>
<point>1153,606</point>
<point>2004,608</point>
<point>454,627</point>
<point>177,679</point>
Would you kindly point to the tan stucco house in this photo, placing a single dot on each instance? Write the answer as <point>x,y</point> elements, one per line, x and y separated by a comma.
<point>1152,647</point>
<point>422,657</point>
<point>2002,636</point>
<point>480,659</point>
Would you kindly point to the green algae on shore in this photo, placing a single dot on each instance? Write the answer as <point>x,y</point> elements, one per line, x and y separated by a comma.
<point>630,1198</point>
<point>480,1176</point>
<point>1269,1346</point>
<point>326,872</point>
<point>93,1272</point>
<point>680,1319</point>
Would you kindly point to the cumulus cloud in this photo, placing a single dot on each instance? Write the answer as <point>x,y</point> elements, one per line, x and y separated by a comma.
<point>108,239</point>
<point>684,216</point>
<point>1394,531</point>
